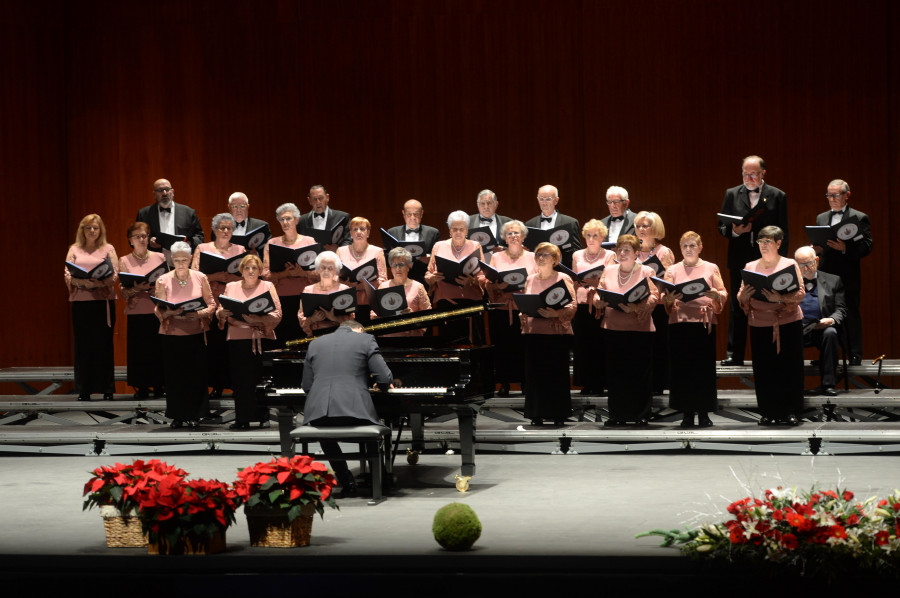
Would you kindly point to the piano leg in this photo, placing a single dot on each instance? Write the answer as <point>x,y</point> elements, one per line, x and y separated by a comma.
<point>285,426</point>
<point>466,418</point>
<point>417,430</point>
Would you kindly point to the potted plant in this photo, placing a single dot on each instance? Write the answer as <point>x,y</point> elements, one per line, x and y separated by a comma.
<point>112,488</point>
<point>281,497</point>
<point>186,516</point>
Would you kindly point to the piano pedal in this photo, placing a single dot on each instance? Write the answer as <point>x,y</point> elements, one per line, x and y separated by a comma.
<point>462,482</point>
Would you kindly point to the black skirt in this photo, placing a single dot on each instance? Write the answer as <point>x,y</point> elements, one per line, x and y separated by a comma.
<point>547,382</point>
<point>246,372</point>
<point>661,349</point>
<point>588,353</point>
<point>217,374</point>
<point>778,377</point>
<point>629,374</point>
<point>509,350</point>
<point>184,361</point>
<point>145,360</point>
<point>94,361</point>
<point>692,375</point>
<point>289,328</point>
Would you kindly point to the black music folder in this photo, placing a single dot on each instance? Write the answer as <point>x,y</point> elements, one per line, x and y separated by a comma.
<point>365,271</point>
<point>635,294</point>
<point>847,230</point>
<point>254,306</point>
<point>210,263</point>
<point>388,301</point>
<point>417,249</point>
<point>514,279</point>
<point>343,302</point>
<point>561,236</point>
<point>747,218</point>
<point>555,296</point>
<point>468,266</point>
<point>593,272</point>
<point>690,289</point>
<point>330,236</point>
<point>653,262</point>
<point>255,238</point>
<point>280,257</point>
<point>484,236</point>
<point>166,240</point>
<point>782,282</point>
<point>129,279</point>
<point>102,270</point>
<point>195,304</point>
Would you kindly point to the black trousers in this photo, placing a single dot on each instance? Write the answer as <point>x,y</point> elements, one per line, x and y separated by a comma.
<point>737,319</point>
<point>827,342</point>
<point>94,364</point>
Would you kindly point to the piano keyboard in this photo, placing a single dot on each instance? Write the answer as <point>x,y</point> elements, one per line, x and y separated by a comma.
<point>406,390</point>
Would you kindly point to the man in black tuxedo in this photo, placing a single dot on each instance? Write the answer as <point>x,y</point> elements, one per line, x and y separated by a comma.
<point>335,379</point>
<point>842,258</point>
<point>823,309</point>
<point>168,217</point>
<point>239,206</point>
<point>487,216</point>
<point>550,217</point>
<point>322,217</point>
<point>413,229</point>
<point>620,220</point>
<point>768,207</point>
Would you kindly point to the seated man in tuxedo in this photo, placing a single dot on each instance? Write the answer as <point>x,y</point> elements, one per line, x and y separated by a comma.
<point>335,379</point>
<point>322,217</point>
<point>550,217</point>
<point>620,220</point>
<point>239,206</point>
<point>487,216</point>
<point>165,216</point>
<point>823,309</point>
<point>842,258</point>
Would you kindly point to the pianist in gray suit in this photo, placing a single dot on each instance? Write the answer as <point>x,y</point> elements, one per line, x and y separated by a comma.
<point>335,380</point>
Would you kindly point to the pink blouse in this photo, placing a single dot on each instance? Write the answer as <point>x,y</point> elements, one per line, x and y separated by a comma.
<point>309,327</point>
<point>451,292</point>
<point>345,253</point>
<point>663,253</point>
<point>640,321</point>
<point>239,329</point>
<point>217,287</point>
<point>560,325</point>
<point>702,309</point>
<point>416,299</point>
<point>168,288</point>
<point>580,263</point>
<point>289,285</point>
<point>763,313</point>
<point>501,261</point>
<point>139,302</point>
<point>89,260</point>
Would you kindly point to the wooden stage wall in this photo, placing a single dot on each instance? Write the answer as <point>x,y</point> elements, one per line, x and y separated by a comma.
<point>384,101</point>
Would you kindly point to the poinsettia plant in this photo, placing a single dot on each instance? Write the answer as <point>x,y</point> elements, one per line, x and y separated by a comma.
<point>826,533</point>
<point>174,508</point>
<point>287,483</point>
<point>116,485</point>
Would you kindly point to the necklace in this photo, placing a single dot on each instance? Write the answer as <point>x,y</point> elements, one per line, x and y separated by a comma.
<point>694,265</point>
<point>184,282</point>
<point>140,258</point>
<point>458,252</point>
<point>357,256</point>
<point>626,280</point>
<point>591,260</point>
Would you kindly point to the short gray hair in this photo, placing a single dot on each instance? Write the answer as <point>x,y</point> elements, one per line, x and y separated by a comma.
<point>218,218</point>
<point>287,207</point>
<point>328,256</point>
<point>487,193</point>
<point>518,223</point>
<point>180,247</point>
<point>401,253</point>
<point>238,195</point>
<point>620,191</point>
<point>458,216</point>
<point>845,187</point>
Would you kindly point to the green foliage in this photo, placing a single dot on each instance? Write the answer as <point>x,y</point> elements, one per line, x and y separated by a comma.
<point>456,526</point>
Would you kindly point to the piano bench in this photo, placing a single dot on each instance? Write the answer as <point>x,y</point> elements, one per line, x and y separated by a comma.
<point>371,439</point>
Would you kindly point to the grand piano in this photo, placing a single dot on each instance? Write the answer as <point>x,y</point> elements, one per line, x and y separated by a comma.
<point>439,376</point>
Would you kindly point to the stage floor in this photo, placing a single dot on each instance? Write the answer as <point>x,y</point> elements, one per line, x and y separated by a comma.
<point>551,522</point>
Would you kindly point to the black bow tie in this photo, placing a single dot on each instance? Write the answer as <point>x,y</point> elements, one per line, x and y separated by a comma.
<point>169,210</point>
<point>616,219</point>
<point>237,224</point>
<point>546,218</point>
<point>488,220</point>
<point>753,190</point>
<point>810,284</point>
<point>413,231</point>
<point>838,213</point>
<point>317,215</point>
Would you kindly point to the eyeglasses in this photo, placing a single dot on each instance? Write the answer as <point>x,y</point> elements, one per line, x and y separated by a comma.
<point>416,214</point>
<point>239,206</point>
<point>751,175</point>
<point>400,265</point>
<point>807,264</point>
<point>689,246</point>
<point>513,233</point>
<point>224,228</point>
<point>286,219</point>
<point>614,202</point>
<point>359,229</point>
<point>834,195</point>
<point>485,203</point>
<point>539,198</point>
<point>764,241</point>
<point>324,268</point>
<point>140,237</point>
<point>641,226</point>
<point>162,190</point>
<point>543,256</point>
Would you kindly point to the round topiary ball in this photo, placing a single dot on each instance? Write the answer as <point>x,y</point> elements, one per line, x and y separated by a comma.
<point>456,526</point>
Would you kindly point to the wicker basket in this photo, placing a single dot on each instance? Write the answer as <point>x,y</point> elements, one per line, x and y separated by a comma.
<point>269,528</point>
<point>189,544</point>
<point>122,531</point>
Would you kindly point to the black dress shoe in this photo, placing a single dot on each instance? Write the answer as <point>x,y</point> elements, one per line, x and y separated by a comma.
<point>731,361</point>
<point>586,391</point>
<point>84,397</point>
<point>159,393</point>
<point>856,360</point>
<point>348,491</point>
<point>703,421</point>
<point>107,396</point>
<point>176,424</point>
<point>792,420</point>
<point>765,421</point>
<point>829,391</point>
<point>193,424</point>
<point>559,422</point>
<point>239,426</point>
<point>266,424</point>
<point>688,421</point>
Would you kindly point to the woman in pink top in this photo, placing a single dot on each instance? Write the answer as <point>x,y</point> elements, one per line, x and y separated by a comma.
<point>328,266</point>
<point>692,334</point>
<point>467,289</point>
<point>355,255</point>
<point>93,309</point>
<point>184,338</point>
<point>216,351</point>
<point>145,370</point>
<point>248,337</point>
<point>290,281</point>
<point>776,335</point>
<point>588,370</point>
<point>650,230</point>
<point>416,296</point>
<point>506,330</point>
<point>628,333</point>
<point>547,341</point>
